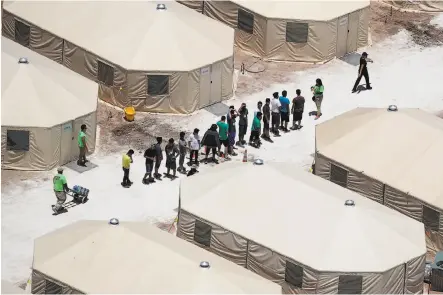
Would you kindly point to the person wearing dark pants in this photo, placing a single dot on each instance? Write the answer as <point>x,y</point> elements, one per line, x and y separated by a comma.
<point>211,140</point>
<point>82,146</point>
<point>266,120</point>
<point>194,145</point>
<point>158,157</point>
<point>275,113</point>
<point>363,71</point>
<point>126,165</point>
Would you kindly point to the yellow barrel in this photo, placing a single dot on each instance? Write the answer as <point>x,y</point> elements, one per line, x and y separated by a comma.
<point>129,113</point>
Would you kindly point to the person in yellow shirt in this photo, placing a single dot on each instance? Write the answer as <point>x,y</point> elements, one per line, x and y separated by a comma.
<point>126,164</point>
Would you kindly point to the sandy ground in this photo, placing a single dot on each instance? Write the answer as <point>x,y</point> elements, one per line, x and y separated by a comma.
<point>404,60</point>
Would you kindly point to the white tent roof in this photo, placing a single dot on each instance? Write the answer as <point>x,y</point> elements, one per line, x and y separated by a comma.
<point>133,34</point>
<point>137,258</point>
<point>402,149</point>
<point>320,10</point>
<point>302,216</point>
<point>42,93</point>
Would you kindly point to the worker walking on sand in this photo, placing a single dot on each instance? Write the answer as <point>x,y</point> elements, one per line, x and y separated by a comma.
<point>60,189</point>
<point>363,71</point>
<point>82,146</point>
<point>126,164</point>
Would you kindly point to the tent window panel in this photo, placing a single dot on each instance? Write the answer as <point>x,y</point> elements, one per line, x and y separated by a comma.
<point>158,85</point>
<point>52,288</point>
<point>431,218</point>
<point>22,33</point>
<point>17,140</point>
<point>294,274</point>
<point>245,21</point>
<point>339,175</point>
<point>202,233</point>
<point>350,284</point>
<point>297,32</point>
<point>105,73</point>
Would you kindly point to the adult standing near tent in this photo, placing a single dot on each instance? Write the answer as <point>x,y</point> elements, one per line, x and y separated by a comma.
<point>266,120</point>
<point>275,113</point>
<point>284,110</point>
<point>126,165</point>
<point>194,146</point>
<point>318,90</point>
<point>82,146</point>
<point>60,189</point>
<point>363,71</point>
<point>232,131</point>
<point>242,124</point>
<point>158,156</point>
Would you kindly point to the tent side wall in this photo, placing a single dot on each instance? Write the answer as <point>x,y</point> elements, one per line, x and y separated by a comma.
<point>320,46</point>
<point>193,4</point>
<point>426,6</point>
<point>227,13</point>
<point>43,284</point>
<point>386,195</point>
<point>41,150</point>
<point>275,266</point>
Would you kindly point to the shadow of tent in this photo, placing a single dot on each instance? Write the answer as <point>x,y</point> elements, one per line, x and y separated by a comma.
<point>352,58</point>
<point>217,109</point>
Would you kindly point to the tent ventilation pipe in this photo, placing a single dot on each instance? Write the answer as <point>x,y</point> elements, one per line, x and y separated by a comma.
<point>204,264</point>
<point>349,203</point>
<point>23,60</point>
<point>161,7</point>
<point>114,221</point>
<point>392,108</point>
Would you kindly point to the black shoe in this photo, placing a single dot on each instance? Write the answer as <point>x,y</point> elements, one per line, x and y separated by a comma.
<point>354,90</point>
<point>369,88</point>
<point>215,161</point>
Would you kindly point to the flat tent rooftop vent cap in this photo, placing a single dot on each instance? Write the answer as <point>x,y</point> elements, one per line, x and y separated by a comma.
<point>161,7</point>
<point>23,60</point>
<point>204,264</point>
<point>258,162</point>
<point>114,221</point>
<point>349,203</point>
<point>392,108</point>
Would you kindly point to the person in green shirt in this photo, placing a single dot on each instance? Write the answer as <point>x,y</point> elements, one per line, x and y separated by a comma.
<point>82,146</point>
<point>60,189</point>
<point>126,165</point>
<point>254,139</point>
<point>318,90</point>
<point>223,128</point>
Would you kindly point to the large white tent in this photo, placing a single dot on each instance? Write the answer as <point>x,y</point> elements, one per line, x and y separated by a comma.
<point>392,157</point>
<point>94,257</point>
<point>293,228</point>
<point>296,31</point>
<point>43,106</point>
<point>158,60</point>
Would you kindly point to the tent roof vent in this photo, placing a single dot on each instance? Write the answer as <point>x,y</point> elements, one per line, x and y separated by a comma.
<point>349,203</point>
<point>392,108</point>
<point>23,60</point>
<point>204,264</point>
<point>258,162</point>
<point>161,6</point>
<point>114,221</point>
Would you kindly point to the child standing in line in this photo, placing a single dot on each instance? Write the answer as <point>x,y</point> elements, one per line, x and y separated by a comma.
<point>182,146</point>
<point>171,152</point>
<point>194,145</point>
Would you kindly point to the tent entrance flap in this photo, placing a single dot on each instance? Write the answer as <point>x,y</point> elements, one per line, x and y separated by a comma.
<point>342,36</point>
<point>66,146</point>
<point>205,86</point>
<point>216,83</point>
<point>353,24</point>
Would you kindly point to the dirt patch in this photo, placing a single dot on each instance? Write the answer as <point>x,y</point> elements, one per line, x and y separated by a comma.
<point>116,134</point>
<point>259,74</point>
<point>387,21</point>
